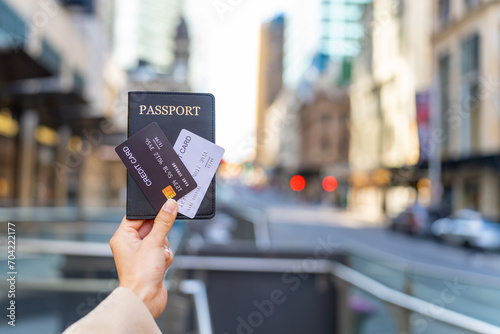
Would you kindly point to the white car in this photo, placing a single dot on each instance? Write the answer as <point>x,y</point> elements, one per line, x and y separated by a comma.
<point>467,227</point>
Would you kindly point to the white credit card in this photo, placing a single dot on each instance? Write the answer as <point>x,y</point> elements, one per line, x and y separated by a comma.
<point>201,158</point>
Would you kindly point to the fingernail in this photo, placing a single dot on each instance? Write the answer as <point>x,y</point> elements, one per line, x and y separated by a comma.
<point>169,251</point>
<point>169,206</point>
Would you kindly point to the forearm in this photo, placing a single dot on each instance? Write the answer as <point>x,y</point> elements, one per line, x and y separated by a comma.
<point>121,312</point>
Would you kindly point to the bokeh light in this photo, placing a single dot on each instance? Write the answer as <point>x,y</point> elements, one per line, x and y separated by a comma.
<point>329,183</point>
<point>297,183</point>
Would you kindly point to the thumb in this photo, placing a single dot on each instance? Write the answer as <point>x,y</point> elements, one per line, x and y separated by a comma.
<point>164,221</point>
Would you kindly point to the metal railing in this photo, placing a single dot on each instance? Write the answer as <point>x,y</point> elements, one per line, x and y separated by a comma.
<point>410,303</point>
<point>257,218</point>
<point>345,274</point>
<point>341,274</point>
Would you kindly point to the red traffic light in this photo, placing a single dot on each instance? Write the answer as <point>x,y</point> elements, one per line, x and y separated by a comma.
<point>297,183</point>
<point>329,183</point>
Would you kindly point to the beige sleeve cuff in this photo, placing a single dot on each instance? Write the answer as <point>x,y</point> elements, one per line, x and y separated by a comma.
<point>121,312</point>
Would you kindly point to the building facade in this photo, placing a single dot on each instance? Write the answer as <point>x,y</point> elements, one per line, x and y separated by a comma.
<point>269,83</point>
<point>53,98</point>
<point>393,66</point>
<point>145,30</point>
<point>324,143</point>
<point>466,55</point>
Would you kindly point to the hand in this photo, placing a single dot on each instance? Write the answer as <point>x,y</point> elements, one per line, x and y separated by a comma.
<point>142,255</point>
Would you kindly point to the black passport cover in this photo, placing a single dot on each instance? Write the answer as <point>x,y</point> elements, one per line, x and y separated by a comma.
<point>173,112</point>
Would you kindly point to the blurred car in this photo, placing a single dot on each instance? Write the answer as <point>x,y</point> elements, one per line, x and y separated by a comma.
<point>415,220</point>
<point>468,228</point>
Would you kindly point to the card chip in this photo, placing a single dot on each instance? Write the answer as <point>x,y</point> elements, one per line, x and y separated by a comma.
<point>169,192</point>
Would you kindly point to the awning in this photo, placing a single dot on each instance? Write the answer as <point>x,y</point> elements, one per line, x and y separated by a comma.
<point>16,64</point>
<point>56,101</point>
<point>492,160</point>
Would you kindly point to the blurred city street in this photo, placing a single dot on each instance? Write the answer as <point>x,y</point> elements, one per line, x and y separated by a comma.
<point>301,224</point>
<point>358,192</point>
<point>291,225</point>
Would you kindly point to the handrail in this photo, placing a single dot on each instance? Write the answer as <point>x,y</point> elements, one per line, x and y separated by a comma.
<point>64,247</point>
<point>259,220</point>
<point>411,303</point>
<point>198,289</point>
<point>55,213</point>
<point>345,274</point>
<point>415,267</point>
<point>249,264</point>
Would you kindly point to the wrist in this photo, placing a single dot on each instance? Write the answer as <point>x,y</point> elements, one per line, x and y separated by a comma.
<point>142,292</point>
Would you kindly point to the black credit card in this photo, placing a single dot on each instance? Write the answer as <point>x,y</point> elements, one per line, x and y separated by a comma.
<point>155,167</point>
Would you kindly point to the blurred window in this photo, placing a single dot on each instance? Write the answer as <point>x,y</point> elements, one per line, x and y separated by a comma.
<point>50,58</point>
<point>341,27</point>
<point>471,4</point>
<point>43,189</point>
<point>444,11</point>
<point>327,124</point>
<point>471,194</point>
<point>13,29</point>
<point>86,6</point>
<point>325,144</point>
<point>470,94</point>
<point>378,106</point>
<point>8,148</point>
<point>444,80</point>
<point>400,8</point>
<point>78,81</point>
<point>470,54</point>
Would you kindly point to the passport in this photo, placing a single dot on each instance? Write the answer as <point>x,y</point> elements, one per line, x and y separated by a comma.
<point>172,111</point>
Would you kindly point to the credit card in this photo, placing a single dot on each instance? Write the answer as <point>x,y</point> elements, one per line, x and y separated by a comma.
<point>155,167</point>
<point>201,158</point>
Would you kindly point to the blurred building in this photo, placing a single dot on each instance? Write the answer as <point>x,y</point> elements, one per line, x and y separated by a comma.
<point>305,128</point>
<point>328,27</point>
<point>393,66</point>
<point>269,83</point>
<point>145,76</point>
<point>145,30</point>
<point>308,133</point>
<point>57,84</point>
<point>324,142</point>
<point>465,59</point>
<point>341,33</point>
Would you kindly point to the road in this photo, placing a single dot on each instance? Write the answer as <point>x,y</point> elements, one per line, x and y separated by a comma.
<point>460,279</point>
<point>293,223</point>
